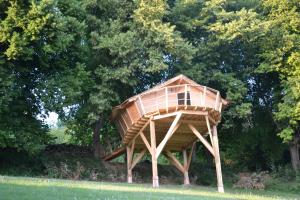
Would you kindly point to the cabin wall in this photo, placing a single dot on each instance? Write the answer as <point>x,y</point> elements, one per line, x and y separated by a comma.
<point>123,123</point>
<point>120,127</point>
<point>168,97</point>
<point>134,112</point>
<point>154,101</point>
<point>196,96</point>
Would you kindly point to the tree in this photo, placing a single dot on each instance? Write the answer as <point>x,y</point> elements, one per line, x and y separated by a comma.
<point>228,35</point>
<point>37,39</point>
<point>131,48</point>
<point>281,54</point>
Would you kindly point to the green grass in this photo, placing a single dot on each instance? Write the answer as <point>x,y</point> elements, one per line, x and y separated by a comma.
<point>12,188</point>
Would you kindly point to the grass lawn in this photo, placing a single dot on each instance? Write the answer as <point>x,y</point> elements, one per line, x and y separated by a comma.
<point>21,188</point>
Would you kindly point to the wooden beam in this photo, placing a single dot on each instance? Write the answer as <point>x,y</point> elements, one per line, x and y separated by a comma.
<point>129,115</point>
<point>217,160</point>
<point>209,130</point>
<point>170,132</point>
<point>217,101</point>
<point>155,181</point>
<point>202,139</point>
<point>212,120</point>
<point>146,142</point>
<point>138,109</point>
<point>129,160</point>
<point>123,129</point>
<point>192,112</point>
<point>142,105</point>
<point>220,107</point>
<point>185,96</point>
<point>186,180</point>
<point>187,121</point>
<point>204,97</point>
<point>138,158</point>
<point>191,155</point>
<point>116,153</point>
<point>122,116</point>
<point>132,148</point>
<point>173,160</point>
<point>157,117</point>
<point>185,158</point>
<point>167,99</point>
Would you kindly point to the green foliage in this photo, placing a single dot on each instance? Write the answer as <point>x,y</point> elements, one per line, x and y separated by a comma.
<point>81,58</point>
<point>59,135</point>
<point>131,48</point>
<point>282,56</point>
<point>217,62</point>
<point>39,39</point>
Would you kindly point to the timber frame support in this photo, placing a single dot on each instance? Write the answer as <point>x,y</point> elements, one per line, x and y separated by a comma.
<point>213,148</point>
<point>212,145</point>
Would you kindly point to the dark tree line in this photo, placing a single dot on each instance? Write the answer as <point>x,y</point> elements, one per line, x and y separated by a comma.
<point>81,58</point>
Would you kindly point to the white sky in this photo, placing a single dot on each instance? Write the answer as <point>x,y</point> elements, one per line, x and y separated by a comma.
<point>52,119</point>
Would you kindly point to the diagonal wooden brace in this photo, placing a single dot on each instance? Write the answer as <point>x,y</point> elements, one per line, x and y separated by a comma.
<point>170,132</point>
<point>202,139</point>
<point>173,160</point>
<point>138,158</point>
<point>146,142</point>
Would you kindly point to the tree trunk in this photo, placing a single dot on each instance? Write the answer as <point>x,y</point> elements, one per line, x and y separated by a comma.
<point>98,151</point>
<point>294,151</point>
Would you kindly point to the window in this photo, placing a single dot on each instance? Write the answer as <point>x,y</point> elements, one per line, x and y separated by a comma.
<point>181,100</point>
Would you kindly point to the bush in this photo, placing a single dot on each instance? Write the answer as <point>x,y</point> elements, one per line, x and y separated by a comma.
<point>284,173</point>
<point>20,163</point>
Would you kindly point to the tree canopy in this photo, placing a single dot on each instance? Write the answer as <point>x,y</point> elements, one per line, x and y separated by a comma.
<point>81,58</point>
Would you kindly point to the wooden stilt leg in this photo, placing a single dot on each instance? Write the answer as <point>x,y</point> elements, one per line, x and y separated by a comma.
<point>129,160</point>
<point>186,169</point>
<point>153,155</point>
<point>217,159</point>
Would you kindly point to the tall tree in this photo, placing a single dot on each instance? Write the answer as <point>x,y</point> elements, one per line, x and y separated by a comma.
<point>131,49</point>
<point>37,39</point>
<point>281,54</point>
<point>227,35</point>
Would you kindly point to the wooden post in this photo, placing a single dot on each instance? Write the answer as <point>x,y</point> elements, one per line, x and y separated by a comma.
<point>217,102</point>
<point>204,98</point>
<point>155,181</point>
<point>129,160</point>
<point>185,95</point>
<point>217,160</point>
<point>167,99</point>
<point>186,180</point>
<point>142,105</point>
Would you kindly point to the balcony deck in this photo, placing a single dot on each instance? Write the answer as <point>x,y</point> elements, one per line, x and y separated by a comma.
<point>193,101</point>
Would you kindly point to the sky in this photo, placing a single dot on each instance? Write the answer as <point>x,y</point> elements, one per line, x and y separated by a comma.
<point>52,119</point>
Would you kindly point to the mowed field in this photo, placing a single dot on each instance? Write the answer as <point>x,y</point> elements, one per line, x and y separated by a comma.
<point>21,188</point>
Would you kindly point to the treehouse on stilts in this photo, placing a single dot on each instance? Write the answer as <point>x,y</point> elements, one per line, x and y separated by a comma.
<point>169,118</point>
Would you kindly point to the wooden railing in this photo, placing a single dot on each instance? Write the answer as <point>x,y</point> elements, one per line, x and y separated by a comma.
<point>169,97</point>
<point>179,95</point>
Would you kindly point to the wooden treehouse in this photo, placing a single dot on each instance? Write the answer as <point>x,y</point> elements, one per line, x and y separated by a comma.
<point>168,118</point>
